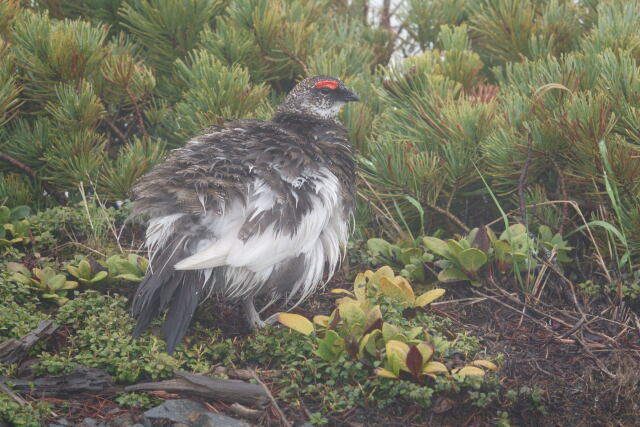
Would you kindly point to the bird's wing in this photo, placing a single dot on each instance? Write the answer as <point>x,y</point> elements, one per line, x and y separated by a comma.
<point>249,195</point>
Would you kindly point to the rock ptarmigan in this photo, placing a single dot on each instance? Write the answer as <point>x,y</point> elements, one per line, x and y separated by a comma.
<point>251,208</point>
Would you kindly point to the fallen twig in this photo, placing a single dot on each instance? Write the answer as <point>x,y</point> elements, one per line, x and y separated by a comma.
<point>211,388</point>
<point>6,390</point>
<point>595,359</point>
<point>14,350</point>
<point>244,412</point>
<point>283,417</point>
<point>81,380</point>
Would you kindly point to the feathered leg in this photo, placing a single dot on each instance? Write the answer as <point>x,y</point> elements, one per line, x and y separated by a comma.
<point>253,317</point>
<point>251,314</point>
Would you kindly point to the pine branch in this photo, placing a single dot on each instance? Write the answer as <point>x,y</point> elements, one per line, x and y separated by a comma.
<point>457,221</point>
<point>114,128</point>
<point>522,182</point>
<point>29,171</point>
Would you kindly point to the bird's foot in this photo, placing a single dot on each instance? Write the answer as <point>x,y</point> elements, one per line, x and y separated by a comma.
<point>253,317</point>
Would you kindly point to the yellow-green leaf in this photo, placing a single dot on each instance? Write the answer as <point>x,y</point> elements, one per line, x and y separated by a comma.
<point>390,289</point>
<point>426,350</point>
<point>485,364</point>
<point>405,288</point>
<point>398,349</point>
<point>321,320</point>
<point>389,331</point>
<point>352,314</point>
<point>360,287</point>
<point>341,291</point>
<point>381,372</point>
<point>296,322</point>
<point>384,271</point>
<point>470,371</point>
<point>429,297</point>
<point>373,315</point>
<point>434,368</point>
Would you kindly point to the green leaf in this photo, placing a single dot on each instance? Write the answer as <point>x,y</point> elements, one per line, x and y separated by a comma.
<point>24,279</point>
<point>408,255</point>
<point>100,275</point>
<point>390,332</point>
<point>129,277</point>
<point>452,274</point>
<point>15,267</point>
<point>330,346</point>
<point>5,215</point>
<point>368,343</point>
<point>437,246</point>
<point>414,332</point>
<point>377,246</point>
<point>472,259</point>
<point>69,284</point>
<point>353,315</point>
<point>56,282</point>
<point>455,248</point>
<point>20,212</point>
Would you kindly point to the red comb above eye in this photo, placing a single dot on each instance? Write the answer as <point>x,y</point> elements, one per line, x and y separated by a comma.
<point>326,83</point>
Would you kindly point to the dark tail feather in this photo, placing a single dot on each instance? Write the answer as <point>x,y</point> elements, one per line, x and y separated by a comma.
<point>158,290</point>
<point>181,309</point>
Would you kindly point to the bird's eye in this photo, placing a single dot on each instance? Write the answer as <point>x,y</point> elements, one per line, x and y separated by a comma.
<point>325,91</point>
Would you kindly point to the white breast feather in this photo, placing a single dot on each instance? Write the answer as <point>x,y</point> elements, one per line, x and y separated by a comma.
<point>321,237</point>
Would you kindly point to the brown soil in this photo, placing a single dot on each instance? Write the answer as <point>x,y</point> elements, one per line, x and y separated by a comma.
<point>576,389</point>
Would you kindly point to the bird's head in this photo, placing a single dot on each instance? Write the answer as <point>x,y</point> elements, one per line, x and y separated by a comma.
<point>319,96</point>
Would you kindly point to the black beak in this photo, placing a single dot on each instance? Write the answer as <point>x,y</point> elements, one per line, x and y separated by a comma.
<point>350,96</point>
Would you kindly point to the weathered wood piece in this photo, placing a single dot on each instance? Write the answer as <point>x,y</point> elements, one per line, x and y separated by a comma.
<point>210,388</point>
<point>15,350</point>
<point>81,380</point>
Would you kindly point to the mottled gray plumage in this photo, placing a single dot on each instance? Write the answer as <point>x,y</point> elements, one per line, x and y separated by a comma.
<point>247,209</point>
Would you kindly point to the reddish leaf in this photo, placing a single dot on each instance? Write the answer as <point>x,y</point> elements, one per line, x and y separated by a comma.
<point>482,239</point>
<point>335,321</point>
<point>414,361</point>
<point>377,324</point>
<point>352,347</point>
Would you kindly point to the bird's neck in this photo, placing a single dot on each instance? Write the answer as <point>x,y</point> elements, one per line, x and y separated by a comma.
<point>304,123</point>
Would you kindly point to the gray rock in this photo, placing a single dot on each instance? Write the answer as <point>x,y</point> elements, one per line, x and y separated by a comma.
<point>90,422</point>
<point>176,410</point>
<point>218,420</point>
<point>187,413</point>
<point>124,420</point>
